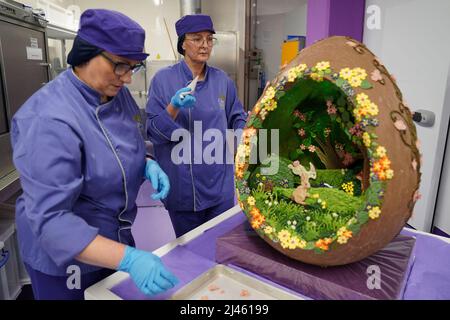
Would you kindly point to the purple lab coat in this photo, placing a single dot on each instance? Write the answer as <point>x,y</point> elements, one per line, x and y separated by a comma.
<point>197,185</point>
<point>81,165</point>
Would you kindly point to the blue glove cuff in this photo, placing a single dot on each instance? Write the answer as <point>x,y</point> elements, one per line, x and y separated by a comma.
<point>125,263</point>
<point>148,162</point>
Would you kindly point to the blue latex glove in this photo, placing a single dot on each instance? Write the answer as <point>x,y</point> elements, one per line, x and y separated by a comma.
<point>179,101</point>
<point>147,271</point>
<point>158,178</point>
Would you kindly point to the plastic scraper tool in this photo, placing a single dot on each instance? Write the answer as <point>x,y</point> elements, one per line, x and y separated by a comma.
<point>191,86</point>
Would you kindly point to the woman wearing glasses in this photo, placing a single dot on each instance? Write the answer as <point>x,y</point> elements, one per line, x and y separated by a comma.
<point>81,159</point>
<point>205,179</point>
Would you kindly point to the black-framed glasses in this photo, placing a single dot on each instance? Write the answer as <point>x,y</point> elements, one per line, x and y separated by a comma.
<point>122,68</point>
<point>198,41</point>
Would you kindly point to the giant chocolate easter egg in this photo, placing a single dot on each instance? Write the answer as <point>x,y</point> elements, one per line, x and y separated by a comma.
<point>328,168</point>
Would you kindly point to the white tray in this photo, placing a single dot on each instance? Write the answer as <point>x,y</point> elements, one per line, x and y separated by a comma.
<point>224,283</point>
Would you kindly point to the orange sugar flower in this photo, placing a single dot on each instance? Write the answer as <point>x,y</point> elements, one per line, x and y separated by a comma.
<point>385,162</point>
<point>323,243</point>
<point>257,222</point>
<point>347,234</point>
<point>381,175</point>
<point>377,167</point>
<point>255,213</point>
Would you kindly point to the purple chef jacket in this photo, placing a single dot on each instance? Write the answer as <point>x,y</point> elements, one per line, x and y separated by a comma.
<point>81,165</point>
<point>194,186</point>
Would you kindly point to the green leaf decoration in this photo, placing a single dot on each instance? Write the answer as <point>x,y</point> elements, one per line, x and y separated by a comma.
<point>279,94</point>
<point>372,194</point>
<point>328,71</point>
<point>257,123</point>
<point>340,82</point>
<point>354,228</point>
<point>346,116</point>
<point>251,120</point>
<point>341,102</point>
<point>366,85</point>
<point>362,217</point>
<point>247,175</point>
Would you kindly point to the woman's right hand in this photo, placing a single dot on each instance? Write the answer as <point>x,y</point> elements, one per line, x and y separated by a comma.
<point>182,99</point>
<point>147,271</point>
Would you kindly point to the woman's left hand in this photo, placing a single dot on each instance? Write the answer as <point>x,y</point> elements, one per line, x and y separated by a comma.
<point>158,178</point>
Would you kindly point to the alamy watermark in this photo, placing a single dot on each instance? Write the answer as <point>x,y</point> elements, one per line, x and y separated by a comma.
<point>374,277</point>
<point>73,281</point>
<point>373,21</point>
<point>212,146</point>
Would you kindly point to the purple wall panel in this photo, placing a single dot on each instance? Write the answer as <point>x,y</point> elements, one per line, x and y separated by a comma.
<point>317,21</point>
<point>347,18</point>
<point>335,17</point>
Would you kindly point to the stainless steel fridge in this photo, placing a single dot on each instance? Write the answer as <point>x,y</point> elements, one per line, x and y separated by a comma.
<point>24,69</point>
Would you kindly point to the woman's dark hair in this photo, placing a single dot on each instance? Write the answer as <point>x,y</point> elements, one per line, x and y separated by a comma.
<point>82,51</point>
<point>180,44</point>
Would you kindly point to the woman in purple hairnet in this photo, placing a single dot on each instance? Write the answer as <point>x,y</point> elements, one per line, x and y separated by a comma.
<point>81,159</point>
<point>205,179</point>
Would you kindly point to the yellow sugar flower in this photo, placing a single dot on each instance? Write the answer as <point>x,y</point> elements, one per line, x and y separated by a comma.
<point>355,82</point>
<point>270,93</point>
<point>367,140</point>
<point>381,152</point>
<point>301,67</point>
<point>268,230</point>
<point>241,151</point>
<point>374,213</point>
<point>323,65</point>
<point>359,73</point>
<point>284,244</point>
<point>372,109</point>
<point>363,99</point>
<point>302,244</point>
<point>342,240</point>
<point>316,77</point>
<point>345,73</point>
<point>248,150</point>
<point>284,235</point>
<point>251,201</point>
<point>294,242</point>
<point>271,105</point>
<point>292,75</point>
<point>389,174</point>
<point>358,116</point>
<point>348,187</point>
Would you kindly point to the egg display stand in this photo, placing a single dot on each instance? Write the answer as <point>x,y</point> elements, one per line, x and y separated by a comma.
<point>382,275</point>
